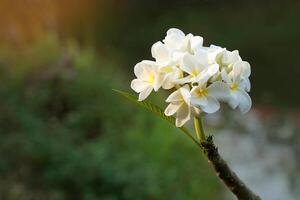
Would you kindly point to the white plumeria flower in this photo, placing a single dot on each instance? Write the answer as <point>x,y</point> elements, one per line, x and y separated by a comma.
<point>179,104</point>
<point>176,40</point>
<point>226,58</point>
<point>170,74</point>
<point>243,68</point>
<point>167,62</point>
<point>148,79</point>
<point>162,54</point>
<point>209,54</point>
<point>207,98</point>
<point>213,73</point>
<point>237,84</point>
<point>230,57</point>
<point>197,69</point>
<point>166,55</point>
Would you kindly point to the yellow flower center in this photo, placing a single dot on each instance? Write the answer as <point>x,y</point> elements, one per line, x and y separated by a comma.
<point>151,78</point>
<point>234,87</point>
<point>195,72</point>
<point>167,69</point>
<point>229,67</point>
<point>202,92</point>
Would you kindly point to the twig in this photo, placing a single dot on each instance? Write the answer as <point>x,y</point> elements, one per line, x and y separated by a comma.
<point>231,180</point>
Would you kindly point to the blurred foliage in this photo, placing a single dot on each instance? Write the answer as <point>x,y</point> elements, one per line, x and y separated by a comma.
<point>66,135</point>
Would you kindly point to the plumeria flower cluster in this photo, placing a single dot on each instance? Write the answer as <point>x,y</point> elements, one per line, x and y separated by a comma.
<point>198,77</point>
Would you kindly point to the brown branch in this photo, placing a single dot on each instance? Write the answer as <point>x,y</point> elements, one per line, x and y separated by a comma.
<point>231,180</point>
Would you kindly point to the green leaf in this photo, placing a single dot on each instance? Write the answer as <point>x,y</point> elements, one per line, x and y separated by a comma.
<point>154,109</point>
<point>148,106</point>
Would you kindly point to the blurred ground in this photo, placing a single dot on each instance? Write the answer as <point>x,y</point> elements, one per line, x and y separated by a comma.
<point>65,135</point>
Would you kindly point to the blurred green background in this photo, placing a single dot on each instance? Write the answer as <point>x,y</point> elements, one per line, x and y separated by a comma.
<point>64,134</point>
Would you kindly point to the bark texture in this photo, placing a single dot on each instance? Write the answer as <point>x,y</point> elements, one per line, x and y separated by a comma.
<point>231,180</point>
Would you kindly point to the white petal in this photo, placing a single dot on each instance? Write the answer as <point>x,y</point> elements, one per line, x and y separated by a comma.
<point>138,69</point>
<point>168,82</point>
<point>212,105</point>
<point>246,69</point>
<point>143,69</point>
<point>215,47</point>
<point>158,81</point>
<point>245,101</point>
<point>174,38</point>
<point>201,79</point>
<point>230,57</point>
<point>177,57</point>
<point>225,76</point>
<point>184,80</point>
<point>216,77</point>
<point>189,64</point>
<point>233,102</point>
<point>185,93</point>
<point>198,101</point>
<point>175,31</point>
<point>194,88</point>
<point>175,97</point>
<point>183,115</point>
<point>247,84</point>
<point>196,42</point>
<point>145,93</point>
<point>186,43</point>
<point>169,79</point>
<point>212,69</point>
<point>160,53</point>
<point>149,68</point>
<point>202,55</point>
<point>237,70</point>
<point>243,83</point>
<point>208,72</point>
<point>219,90</point>
<point>138,85</point>
<point>172,108</point>
<point>167,85</point>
